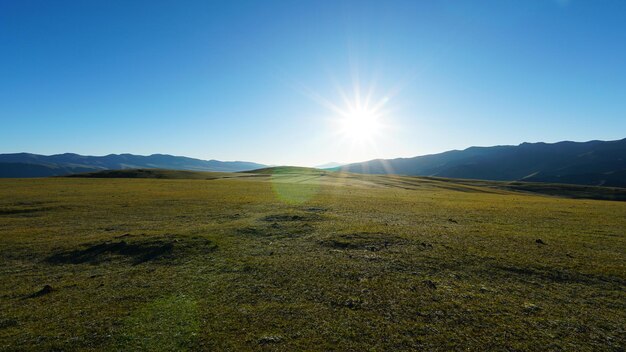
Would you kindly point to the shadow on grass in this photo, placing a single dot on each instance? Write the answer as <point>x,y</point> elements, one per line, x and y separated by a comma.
<point>138,252</point>
<point>373,242</point>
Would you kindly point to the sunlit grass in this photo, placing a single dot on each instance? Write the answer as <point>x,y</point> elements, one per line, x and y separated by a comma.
<point>359,263</point>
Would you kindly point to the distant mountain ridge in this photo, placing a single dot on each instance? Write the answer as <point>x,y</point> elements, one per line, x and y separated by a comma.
<point>597,163</point>
<point>35,165</point>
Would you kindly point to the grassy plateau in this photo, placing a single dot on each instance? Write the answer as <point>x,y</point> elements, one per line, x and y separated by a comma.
<point>290,259</point>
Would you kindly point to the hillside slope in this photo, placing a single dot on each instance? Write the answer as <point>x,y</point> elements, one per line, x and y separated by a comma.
<point>596,163</point>
<point>34,165</point>
<point>318,177</point>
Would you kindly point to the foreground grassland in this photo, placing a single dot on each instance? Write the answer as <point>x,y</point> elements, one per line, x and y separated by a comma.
<point>306,261</point>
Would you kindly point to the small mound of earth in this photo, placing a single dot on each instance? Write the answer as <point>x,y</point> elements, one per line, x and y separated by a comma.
<point>291,217</point>
<point>44,291</point>
<point>315,209</point>
<point>26,211</point>
<point>362,241</point>
<point>278,230</point>
<point>137,251</point>
<point>8,323</point>
<point>253,231</point>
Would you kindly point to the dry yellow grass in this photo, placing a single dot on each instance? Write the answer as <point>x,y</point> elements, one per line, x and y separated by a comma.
<point>306,261</point>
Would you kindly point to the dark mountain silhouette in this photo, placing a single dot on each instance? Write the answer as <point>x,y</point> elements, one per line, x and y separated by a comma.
<point>596,163</point>
<point>34,165</point>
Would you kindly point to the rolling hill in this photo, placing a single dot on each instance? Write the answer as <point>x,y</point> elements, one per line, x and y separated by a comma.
<point>34,165</point>
<point>304,175</point>
<point>597,163</point>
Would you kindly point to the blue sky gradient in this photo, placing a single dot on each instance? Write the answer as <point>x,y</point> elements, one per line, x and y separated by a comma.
<point>241,80</point>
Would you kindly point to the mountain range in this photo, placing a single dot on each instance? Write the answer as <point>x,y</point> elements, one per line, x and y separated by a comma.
<point>598,163</point>
<point>34,165</point>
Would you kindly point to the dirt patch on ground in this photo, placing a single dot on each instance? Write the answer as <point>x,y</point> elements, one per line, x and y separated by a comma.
<point>278,230</point>
<point>44,291</point>
<point>315,209</point>
<point>373,242</point>
<point>291,217</point>
<point>25,211</point>
<point>137,251</point>
<point>284,225</point>
<point>251,231</point>
<point>7,323</point>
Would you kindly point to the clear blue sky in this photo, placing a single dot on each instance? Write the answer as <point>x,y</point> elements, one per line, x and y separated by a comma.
<point>242,80</point>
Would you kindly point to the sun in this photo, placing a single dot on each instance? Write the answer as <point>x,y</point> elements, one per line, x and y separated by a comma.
<point>359,124</point>
<point>360,120</point>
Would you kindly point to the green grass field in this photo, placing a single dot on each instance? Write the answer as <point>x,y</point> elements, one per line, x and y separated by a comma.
<point>297,259</point>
